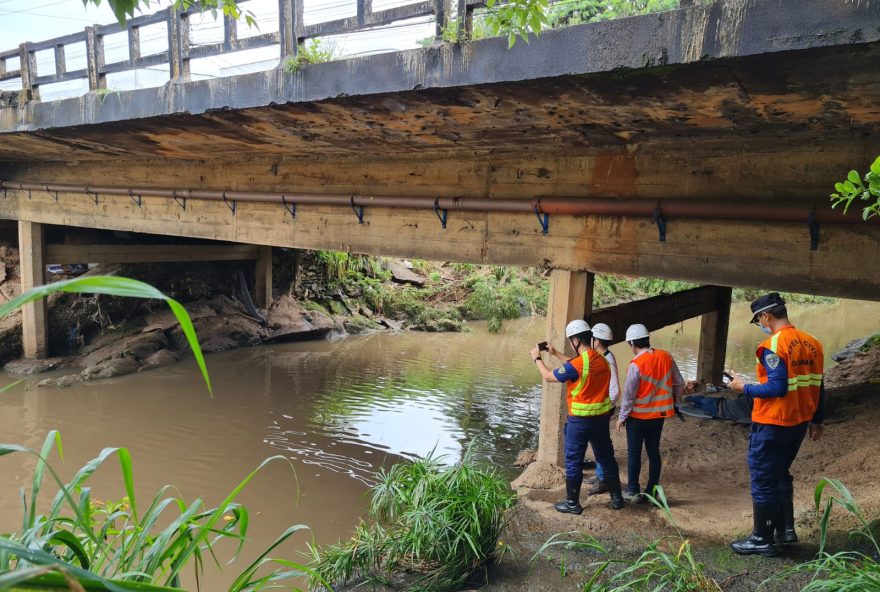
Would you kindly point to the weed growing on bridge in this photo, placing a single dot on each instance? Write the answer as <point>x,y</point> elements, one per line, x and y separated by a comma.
<point>442,524</point>
<point>312,52</point>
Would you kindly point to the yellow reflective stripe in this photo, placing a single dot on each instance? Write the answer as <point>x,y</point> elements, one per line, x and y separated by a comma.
<point>774,342</point>
<point>582,382</point>
<point>586,409</point>
<point>804,381</point>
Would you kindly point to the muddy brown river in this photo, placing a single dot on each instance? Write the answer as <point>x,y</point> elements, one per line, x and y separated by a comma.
<point>337,410</point>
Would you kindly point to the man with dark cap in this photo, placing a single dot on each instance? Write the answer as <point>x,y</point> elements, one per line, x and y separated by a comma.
<point>788,403</point>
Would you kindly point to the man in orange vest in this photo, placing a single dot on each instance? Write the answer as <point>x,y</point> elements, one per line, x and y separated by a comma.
<point>788,402</point>
<point>587,377</point>
<point>653,386</point>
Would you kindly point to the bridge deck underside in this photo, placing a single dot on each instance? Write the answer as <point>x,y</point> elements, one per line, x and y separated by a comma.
<point>780,126</point>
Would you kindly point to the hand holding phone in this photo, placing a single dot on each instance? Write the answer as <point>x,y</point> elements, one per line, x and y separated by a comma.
<point>542,346</point>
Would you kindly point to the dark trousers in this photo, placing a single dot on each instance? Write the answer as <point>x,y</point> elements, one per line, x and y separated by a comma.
<point>581,431</point>
<point>641,432</point>
<point>772,450</point>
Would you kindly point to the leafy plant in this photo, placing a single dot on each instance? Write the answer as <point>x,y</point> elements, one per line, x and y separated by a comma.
<point>854,187</point>
<point>125,9</point>
<point>117,547</point>
<point>516,18</point>
<point>114,546</point>
<point>440,523</point>
<point>311,53</point>
<point>666,564</point>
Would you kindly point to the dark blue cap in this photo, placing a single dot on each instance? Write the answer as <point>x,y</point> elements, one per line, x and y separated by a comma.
<point>765,303</point>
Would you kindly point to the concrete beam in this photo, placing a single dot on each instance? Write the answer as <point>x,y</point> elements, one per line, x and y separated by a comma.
<point>664,310</point>
<point>34,323</point>
<point>701,251</point>
<point>65,254</point>
<point>567,302</point>
<point>713,339</point>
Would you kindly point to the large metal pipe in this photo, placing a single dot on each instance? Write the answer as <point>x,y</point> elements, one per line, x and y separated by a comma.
<point>738,209</point>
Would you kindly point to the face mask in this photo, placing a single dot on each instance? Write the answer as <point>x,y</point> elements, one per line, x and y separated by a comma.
<point>767,330</point>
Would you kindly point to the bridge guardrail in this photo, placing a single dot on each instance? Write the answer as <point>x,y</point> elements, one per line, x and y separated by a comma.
<point>292,31</point>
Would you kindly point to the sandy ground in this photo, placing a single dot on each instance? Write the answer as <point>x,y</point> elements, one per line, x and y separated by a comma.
<point>707,483</point>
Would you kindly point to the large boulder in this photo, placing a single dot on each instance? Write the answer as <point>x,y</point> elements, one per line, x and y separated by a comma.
<point>111,368</point>
<point>140,347</point>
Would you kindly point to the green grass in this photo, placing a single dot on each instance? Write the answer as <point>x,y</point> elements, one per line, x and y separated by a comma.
<point>438,524</point>
<point>667,563</point>
<point>77,542</point>
<point>852,570</point>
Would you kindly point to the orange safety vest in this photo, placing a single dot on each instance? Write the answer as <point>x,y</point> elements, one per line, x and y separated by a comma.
<point>588,396</point>
<point>804,359</point>
<point>654,397</point>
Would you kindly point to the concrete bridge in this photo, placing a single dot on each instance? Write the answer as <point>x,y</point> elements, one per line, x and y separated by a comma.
<point>699,144</point>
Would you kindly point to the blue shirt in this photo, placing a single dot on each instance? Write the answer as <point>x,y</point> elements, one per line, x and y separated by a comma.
<point>567,373</point>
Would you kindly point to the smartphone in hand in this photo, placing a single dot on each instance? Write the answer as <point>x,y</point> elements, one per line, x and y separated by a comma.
<point>726,377</point>
<point>542,346</point>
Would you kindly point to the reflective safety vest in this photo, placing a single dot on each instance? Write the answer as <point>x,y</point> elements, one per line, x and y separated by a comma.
<point>804,359</point>
<point>589,394</point>
<point>654,397</point>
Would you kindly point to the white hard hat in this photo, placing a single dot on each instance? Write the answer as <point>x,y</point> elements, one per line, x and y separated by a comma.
<point>602,331</point>
<point>576,327</point>
<point>636,332</point>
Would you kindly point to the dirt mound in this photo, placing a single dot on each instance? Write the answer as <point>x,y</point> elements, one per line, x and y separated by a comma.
<point>857,370</point>
<point>540,475</point>
<point>707,481</point>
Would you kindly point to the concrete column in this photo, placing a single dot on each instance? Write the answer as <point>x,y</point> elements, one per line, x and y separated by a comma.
<point>568,301</point>
<point>264,278</point>
<point>34,325</point>
<point>713,340</point>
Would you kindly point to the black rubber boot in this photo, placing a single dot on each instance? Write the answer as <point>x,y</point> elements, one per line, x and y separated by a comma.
<point>597,488</point>
<point>761,542</point>
<point>785,533</point>
<point>612,481</point>
<point>572,503</point>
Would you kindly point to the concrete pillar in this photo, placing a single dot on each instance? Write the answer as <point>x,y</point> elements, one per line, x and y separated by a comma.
<point>568,301</point>
<point>34,325</point>
<point>263,296</point>
<point>713,340</point>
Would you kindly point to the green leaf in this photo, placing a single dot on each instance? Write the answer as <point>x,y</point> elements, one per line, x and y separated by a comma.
<point>848,186</point>
<point>511,39</point>
<point>875,166</point>
<point>854,178</point>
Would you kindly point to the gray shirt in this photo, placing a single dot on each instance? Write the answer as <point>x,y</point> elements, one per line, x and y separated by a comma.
<point>614,388</point>
<point>631,386</point>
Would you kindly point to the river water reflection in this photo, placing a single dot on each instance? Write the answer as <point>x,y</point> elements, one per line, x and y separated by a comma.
<point>338,410</point>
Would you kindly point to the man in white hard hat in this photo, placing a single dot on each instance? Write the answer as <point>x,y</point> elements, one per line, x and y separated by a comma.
<point>653,386</point>
<point>587,378</point>
<point>602,339</point>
